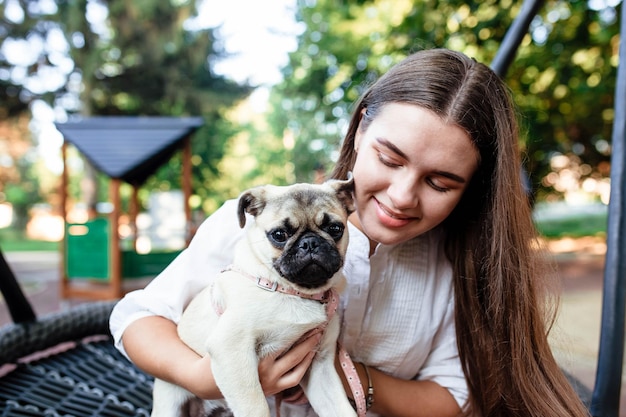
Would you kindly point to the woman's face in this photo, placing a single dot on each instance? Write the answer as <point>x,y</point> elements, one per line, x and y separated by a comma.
<point>410,172</point>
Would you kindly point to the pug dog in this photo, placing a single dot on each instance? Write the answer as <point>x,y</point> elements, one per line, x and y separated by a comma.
<point>282,284</point>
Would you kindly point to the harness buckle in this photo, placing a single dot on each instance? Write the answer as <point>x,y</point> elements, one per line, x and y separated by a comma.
<point>264,286</point>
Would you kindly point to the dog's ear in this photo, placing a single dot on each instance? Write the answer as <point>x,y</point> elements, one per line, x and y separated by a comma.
<point>251,201</point>
<point>344,189</point>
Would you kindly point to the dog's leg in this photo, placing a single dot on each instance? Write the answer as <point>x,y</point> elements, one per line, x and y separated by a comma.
<point>322,385</point>
<point>169,400</point>
<point>234,364</point>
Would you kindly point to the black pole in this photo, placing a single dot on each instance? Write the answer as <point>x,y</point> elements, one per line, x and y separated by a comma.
<point>19,307</point>
<point>514,36</point>
<point>606,393</point>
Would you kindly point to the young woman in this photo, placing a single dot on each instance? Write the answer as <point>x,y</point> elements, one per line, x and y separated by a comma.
<point>444,312</point>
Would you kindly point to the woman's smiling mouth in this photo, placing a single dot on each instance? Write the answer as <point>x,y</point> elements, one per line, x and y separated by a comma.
<point>390,219</point>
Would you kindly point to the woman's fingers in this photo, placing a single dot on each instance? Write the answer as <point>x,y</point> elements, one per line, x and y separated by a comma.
<point>293,377</point>
<point>278,373</point>
<point>294,395</point>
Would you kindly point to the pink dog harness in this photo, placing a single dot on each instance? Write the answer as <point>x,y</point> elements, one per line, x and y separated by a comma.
<point>330,298</point>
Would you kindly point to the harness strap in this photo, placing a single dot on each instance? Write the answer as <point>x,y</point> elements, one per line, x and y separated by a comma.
<point>273,286</point>
<point>330,298</point>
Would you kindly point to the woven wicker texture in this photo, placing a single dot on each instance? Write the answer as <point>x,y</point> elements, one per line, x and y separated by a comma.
<point>91,379</point>
<point>21,339</point>
<point>77,372</point>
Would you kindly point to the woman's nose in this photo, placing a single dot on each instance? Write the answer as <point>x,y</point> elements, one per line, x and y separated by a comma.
<point>403,193</point>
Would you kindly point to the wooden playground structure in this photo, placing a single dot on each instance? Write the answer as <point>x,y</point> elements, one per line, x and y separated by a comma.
<point>94,265</point>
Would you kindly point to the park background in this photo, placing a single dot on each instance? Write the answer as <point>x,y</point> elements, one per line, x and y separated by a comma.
<point>274,82</point>
<point>60,60</point>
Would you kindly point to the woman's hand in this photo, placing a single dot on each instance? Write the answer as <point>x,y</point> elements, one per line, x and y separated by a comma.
<point>285,370</point>
<point>154,346</point>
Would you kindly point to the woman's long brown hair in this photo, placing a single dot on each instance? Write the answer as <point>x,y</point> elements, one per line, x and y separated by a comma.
<point>502,318</point>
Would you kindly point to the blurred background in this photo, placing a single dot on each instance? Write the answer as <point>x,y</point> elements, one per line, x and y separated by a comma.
<point>274,82</point>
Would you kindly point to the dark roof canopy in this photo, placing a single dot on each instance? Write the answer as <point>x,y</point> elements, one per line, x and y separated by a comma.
<point>129,148</point>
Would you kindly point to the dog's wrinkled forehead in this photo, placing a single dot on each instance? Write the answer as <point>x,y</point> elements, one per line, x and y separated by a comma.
<point>306,207</point>
<point>304,204</point>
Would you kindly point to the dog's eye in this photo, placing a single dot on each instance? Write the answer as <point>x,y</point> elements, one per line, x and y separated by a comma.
<point>279,236</point>
<point>335,230</point>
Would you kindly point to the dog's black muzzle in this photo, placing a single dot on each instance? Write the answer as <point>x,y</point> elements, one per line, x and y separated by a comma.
<point>310,262</point>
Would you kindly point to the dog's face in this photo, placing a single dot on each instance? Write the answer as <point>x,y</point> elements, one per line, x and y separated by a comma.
<point>300,230</point>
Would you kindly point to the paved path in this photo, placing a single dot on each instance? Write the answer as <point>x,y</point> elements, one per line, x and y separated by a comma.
<point>39,276</point>
<point>574,338</point>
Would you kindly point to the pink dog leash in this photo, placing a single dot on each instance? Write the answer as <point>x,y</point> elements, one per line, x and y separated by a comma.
<point>352,376</point>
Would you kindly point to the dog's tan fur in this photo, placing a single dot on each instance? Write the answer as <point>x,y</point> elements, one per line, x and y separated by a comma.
<point>256,323</point>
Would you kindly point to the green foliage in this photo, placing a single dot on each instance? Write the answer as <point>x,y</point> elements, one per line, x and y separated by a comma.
<point>346,47</point>
<point>14,239</point>
<point>573,226</point>
<point>142,61</point>
<point>23,194</point>
<point>562,79</point>
<point>137,60</point>
<point>564,85</point>
<point>153,66</point>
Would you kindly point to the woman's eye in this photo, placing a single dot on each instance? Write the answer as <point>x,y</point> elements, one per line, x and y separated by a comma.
<point>385,160</point>
<point>436,187</point>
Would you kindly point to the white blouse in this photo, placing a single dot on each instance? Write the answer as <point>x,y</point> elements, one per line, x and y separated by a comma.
<point>397,309</point>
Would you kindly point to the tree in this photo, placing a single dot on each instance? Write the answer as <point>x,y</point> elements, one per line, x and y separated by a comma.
<point>154,66</point>
<point>347,45</point>
<point>562,78</point>
<point>18,184</point>
<point>122,58</point>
